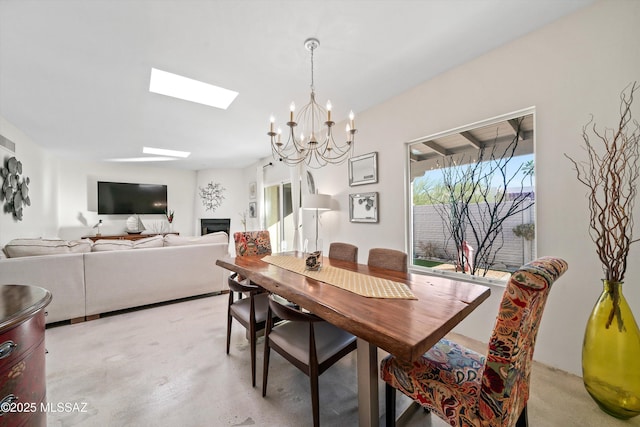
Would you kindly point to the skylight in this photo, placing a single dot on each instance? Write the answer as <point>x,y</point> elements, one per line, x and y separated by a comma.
<point>142,159</point>
<point>163,152</point>
<point>169,84</point>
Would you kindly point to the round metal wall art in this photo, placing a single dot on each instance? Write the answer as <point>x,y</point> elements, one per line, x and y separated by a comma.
<point>212,196</point>
<point>15,188</point>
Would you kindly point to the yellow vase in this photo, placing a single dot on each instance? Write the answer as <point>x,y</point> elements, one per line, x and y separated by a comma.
<point>611,354</point>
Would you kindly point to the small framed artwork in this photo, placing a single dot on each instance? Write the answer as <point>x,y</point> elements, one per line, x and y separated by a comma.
<point>253,210</point>
<point>363,207</point>
<point>363,169</point>
<point>252,190</point>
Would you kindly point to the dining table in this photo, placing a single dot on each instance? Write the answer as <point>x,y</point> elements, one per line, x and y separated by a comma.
<point>419,310</point>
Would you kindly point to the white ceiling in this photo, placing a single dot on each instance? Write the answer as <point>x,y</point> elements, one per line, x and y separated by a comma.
<point>74,74</point>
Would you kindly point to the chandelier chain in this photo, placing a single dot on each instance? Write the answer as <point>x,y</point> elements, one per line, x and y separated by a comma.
<point>313,89</point>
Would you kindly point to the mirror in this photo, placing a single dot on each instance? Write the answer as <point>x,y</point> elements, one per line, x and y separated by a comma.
<point>363,169</point>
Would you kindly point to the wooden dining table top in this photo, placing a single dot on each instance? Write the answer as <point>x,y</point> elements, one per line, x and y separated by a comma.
<point>405,328</point>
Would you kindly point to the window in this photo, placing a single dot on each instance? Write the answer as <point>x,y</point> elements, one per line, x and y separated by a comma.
<point>472,197</point>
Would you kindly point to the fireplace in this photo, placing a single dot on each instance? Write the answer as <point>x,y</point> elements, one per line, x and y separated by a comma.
<point>212,225</point>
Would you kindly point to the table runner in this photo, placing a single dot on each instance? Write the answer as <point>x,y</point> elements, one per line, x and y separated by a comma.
<point>358,283</point>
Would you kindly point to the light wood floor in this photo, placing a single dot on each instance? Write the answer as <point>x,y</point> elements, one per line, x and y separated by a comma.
<point>166,366</point>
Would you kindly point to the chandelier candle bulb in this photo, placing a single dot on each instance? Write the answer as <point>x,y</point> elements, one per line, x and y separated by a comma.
<point>292,108</point>
<point>328,111</point>
<point>351,118</point>
<point>271,121</point>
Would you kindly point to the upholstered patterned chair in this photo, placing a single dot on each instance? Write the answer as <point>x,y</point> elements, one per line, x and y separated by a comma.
<point>250,309</point>
<point>390,259</point>
<point>343,251</point>
<point>306,341</point>
<point>468,389</point>
<point>252,243</point>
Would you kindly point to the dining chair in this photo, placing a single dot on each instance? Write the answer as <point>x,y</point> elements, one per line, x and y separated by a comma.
<point>343,251</point>
<point>466,388</point>
<point>390,259</point>
<point>306,341</point>
<point>251,306</point>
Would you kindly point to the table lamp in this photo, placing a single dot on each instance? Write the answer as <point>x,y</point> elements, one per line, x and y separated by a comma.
<point>317,202</point>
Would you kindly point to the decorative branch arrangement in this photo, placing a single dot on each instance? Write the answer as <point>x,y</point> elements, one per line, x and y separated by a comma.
<point>212,196</point>
<point>611,174</point>
<point>474,205</point>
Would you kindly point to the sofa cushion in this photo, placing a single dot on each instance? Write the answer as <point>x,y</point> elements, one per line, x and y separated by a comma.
<point>149,242</point>
<point>111,245</point>
<point>36,247</point>
<point>175,240</point>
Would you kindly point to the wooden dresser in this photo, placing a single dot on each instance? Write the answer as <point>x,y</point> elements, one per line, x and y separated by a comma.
<point>22,355</point>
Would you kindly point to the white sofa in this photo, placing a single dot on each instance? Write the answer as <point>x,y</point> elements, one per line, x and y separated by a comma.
<point>91,283</point>
<point>62,275</point>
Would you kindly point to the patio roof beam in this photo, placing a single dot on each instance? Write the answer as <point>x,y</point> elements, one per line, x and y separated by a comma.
<point>437,148</point>
<point>471,140</point>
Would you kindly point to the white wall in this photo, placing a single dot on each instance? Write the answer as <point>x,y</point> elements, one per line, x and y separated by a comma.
<point>236,195</point>
<point>39,219</point>
<point>77,196</point>
<point>567,70</point>
<point>63,193</point>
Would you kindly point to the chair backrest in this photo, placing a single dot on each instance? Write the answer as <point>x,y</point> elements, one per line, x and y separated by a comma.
<point>284,311</point>
<point>505,382</point>
<point>343,251</point>
<point>252,243</point>
<point>390,259</point>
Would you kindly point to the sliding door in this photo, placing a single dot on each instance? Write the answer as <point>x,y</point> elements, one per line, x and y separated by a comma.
<point>279,216</point>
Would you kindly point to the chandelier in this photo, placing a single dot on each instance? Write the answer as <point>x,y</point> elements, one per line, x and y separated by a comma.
<point>314,144</point>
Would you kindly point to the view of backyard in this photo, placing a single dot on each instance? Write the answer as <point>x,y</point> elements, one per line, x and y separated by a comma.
<point>472,208</point>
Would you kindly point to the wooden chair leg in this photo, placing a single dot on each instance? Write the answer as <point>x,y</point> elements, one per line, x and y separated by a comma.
<point>252,343</point>
<point>315,399</point>
<point>267,351</point>
<point>390,405</point>
<point>229,320</point>
<point>265,369</point>
<point>523,419</point>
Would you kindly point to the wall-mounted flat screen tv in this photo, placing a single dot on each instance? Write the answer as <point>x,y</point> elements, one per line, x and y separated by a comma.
<point>126,198</point>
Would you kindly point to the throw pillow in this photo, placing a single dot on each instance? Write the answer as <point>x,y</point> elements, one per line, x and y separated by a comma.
<point>80,246</point>
<point>104,245</point>
<point>174,240</point>
<point>149,242</point>
<point>37,247</point>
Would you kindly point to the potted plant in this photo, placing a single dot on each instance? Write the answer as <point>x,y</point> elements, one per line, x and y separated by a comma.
<point>611,347</point>
<point>169,214</point>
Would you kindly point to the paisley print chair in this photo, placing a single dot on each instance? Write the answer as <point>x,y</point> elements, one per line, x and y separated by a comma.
<point>252,243</point>
<point>250,309</point>
<point>465,388</point>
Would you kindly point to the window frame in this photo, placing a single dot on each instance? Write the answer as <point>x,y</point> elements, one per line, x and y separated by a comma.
<point>408,202</point>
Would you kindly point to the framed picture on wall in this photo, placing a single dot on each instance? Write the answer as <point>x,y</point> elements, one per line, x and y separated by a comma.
<point>252,190</point>
<point>363,207</point>
<point>363,169</point>
<point>253,210</point>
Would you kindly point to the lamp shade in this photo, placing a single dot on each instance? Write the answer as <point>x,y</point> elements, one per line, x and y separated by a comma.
<point>321,202</point>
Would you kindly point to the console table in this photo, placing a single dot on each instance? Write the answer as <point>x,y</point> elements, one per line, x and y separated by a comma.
<point>125,236</point>
<point>22,355</point>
